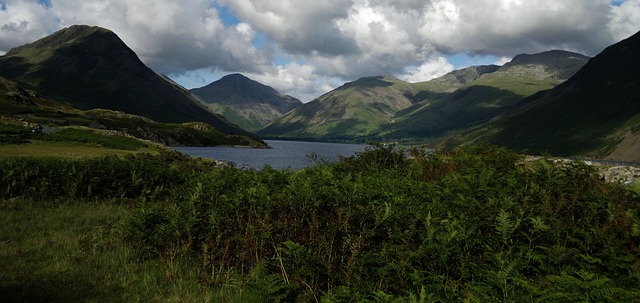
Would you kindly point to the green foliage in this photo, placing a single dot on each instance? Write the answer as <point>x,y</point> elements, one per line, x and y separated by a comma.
<point>91,137</point>
<point>141,176</point>
<point>14,134</point>
<point>478,225</point>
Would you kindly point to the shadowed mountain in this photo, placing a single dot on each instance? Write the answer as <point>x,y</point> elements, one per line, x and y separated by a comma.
<point>596,112</point>
<point>478,97</point>
<point>23,107</point>
<point>90,67</point>
<point>245,102</point>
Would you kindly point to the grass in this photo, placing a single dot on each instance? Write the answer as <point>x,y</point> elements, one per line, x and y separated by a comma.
<point>43,255</point>
<point>63,150</point>
<point>71,252</point>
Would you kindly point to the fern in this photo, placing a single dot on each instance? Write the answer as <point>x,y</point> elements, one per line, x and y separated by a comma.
<point>587,287</point>
<point>505,225</point>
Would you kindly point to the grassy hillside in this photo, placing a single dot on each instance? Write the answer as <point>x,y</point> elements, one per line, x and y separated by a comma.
<point>22,110</point>
<point>388,109</point>
<point>480,95</point>
<point>595,113</point>
<point>358,108</point>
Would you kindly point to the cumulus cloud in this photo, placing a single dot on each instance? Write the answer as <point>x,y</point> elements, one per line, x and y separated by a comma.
<point>22,22</point>
<point>433,68</point>
<point>327,42</point>
<point>170,36</point>
<point>625,19</point>
<point>299,26</point>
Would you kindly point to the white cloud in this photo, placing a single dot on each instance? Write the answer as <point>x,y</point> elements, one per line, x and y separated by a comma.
<point>298,26</point>
<point>330,41</point>
<point>502,61</point>
<point>23,22</point>
<point>625,19</point>
<point>299,80</point>
<point>433,68</point>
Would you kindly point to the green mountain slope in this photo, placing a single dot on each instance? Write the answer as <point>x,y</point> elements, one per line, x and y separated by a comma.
<point>358,108</point>
<point>90,67</point>
<point>481,98</point>
<point>23,109</point>
<point>245,102</point>
<point>596,112</point>
<point>389,109</point>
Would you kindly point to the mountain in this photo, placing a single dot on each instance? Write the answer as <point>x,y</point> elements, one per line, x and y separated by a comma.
<point>90,67</point>
<point>22,109</point>
<point>358,108</point>
<point>457,78</point>
<point>385,108</point>
<point>245,102</point>
<point>594,113</point>
<point>483,97</point>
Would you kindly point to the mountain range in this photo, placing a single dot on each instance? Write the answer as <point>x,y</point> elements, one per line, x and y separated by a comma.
<point>596,112</point>
<point>386,108</point>
<point>558,102</point>
<point>245,102</point>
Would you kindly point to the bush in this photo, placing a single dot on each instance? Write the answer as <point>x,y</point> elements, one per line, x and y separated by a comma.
<point>479,224</point>
<point>91,137</point>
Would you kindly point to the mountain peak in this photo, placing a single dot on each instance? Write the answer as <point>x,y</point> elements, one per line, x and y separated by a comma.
<point>557,64</point>
<point>547,58</point>
<point>90,67</point>
<point>238,79</point>
<point>65,36</point>
<point>245,102</point>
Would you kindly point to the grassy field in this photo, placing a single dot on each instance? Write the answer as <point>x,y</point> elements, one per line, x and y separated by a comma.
<point>64,150</point>
<point>72,252</point>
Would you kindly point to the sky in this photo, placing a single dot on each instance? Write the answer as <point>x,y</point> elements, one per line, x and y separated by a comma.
<point>306,48</point>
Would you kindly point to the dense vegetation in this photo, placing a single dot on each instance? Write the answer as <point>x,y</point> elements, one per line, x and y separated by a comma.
<point>477,225</point>
<point>16,134</point>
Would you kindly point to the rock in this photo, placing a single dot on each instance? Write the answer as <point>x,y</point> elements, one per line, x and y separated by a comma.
<point>625,175</point>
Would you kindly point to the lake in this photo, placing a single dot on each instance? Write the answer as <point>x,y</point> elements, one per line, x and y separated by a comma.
<point>283,154</point>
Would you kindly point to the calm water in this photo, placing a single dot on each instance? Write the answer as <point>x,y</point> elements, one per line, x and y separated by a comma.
<point>283,154</point>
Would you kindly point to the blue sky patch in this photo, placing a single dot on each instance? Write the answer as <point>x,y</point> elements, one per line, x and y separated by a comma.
<point>46,3</point>
<point>226,15</point>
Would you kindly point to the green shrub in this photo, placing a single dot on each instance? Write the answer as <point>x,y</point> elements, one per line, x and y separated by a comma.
<point>478,223</point>
<point>91,137</point>
<point>14,134</point>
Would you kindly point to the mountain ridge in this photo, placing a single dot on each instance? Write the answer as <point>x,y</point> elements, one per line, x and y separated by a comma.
<point>370,103</point>
<point>90,67</point>
<point>594,113</point>
<point>400,110</point>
